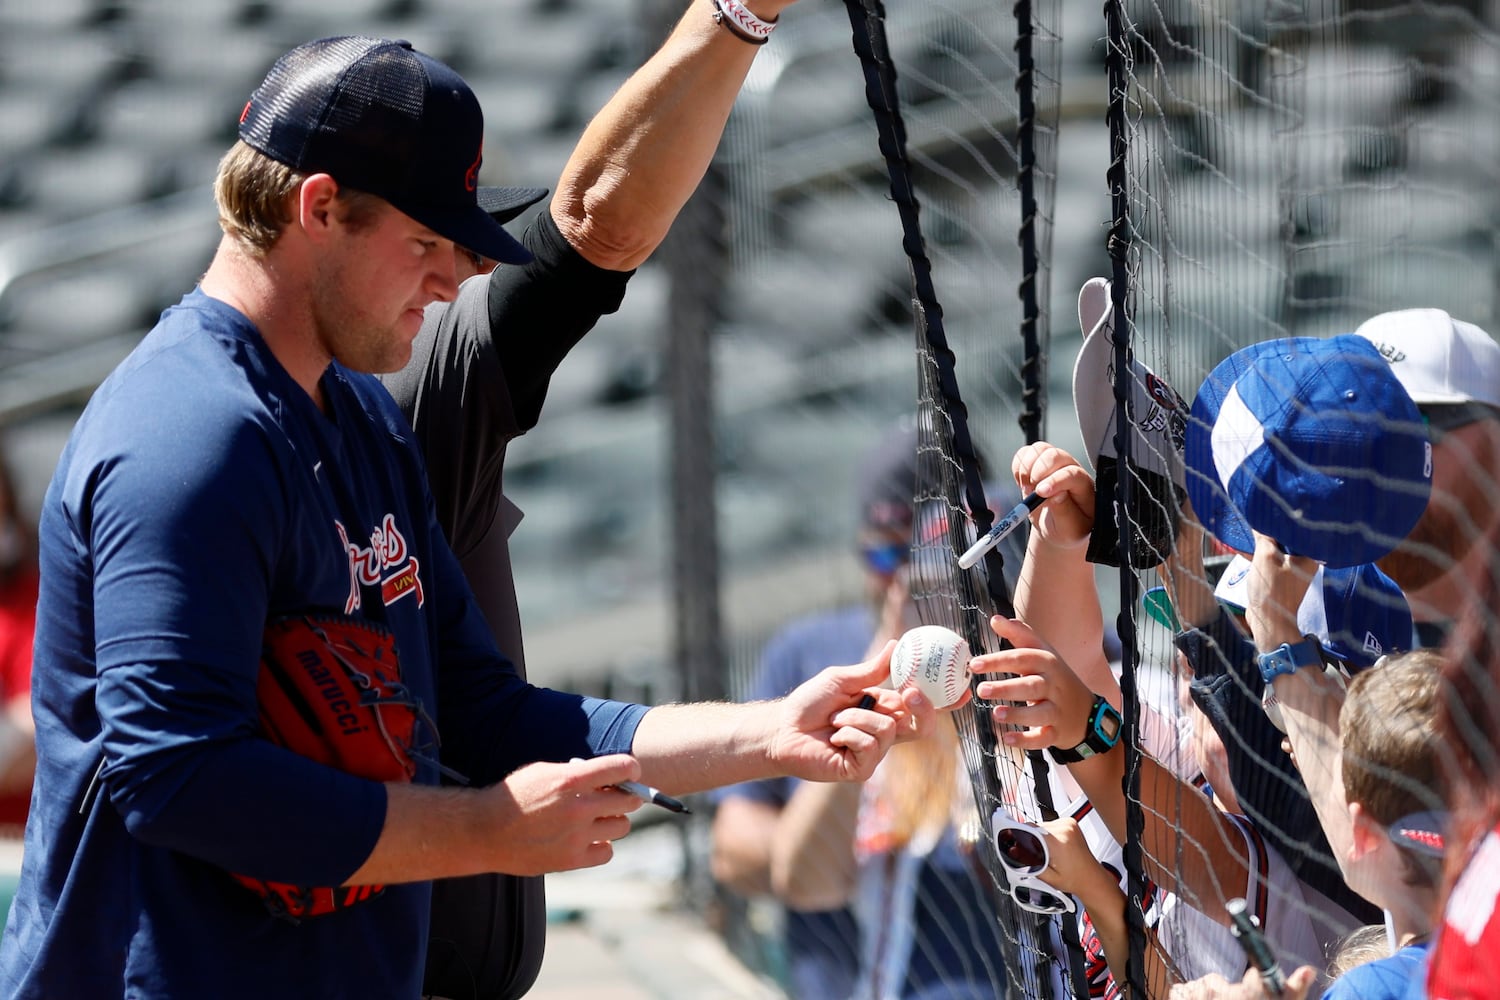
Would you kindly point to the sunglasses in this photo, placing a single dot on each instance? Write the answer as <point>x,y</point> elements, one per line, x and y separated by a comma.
<point>1442,417</point>
<point>1022,849</point>
<point>886,559</point>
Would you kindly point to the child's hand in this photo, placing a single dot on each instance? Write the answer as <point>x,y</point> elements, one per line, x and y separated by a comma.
<point>1057,703</point>
<point>1067,518</point>
<point>1072,866</point>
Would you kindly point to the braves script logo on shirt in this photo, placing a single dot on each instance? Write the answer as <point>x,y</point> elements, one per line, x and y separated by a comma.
<point>386,563</point>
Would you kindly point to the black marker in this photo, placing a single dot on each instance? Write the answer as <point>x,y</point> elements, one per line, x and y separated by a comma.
<point>1001,528</point>
<point>1246,930</point>
<point>648,794</point>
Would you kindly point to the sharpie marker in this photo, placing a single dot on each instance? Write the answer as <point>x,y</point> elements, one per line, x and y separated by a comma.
<point>1000,530</point>
<point>648,794</point>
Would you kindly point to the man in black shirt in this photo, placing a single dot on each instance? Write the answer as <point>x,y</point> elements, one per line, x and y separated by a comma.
<point>481,366</point>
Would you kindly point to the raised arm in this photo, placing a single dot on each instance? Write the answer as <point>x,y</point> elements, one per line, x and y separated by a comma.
<point>1056,594</point>
<point>643,155</point>
<point>1309,699</point>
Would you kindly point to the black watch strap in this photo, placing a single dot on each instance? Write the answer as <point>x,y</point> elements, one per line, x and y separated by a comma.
<point>1102,734</point>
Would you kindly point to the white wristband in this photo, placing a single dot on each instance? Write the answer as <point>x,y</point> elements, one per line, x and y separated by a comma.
<point>740,20</point>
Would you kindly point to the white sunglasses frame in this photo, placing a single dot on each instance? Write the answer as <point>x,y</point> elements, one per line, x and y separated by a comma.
<point>1017,878</point>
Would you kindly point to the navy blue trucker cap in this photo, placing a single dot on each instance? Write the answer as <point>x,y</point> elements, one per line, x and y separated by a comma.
<point>380,117</point>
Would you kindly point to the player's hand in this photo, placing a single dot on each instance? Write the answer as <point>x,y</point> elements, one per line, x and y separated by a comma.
<point>1067,518</point>
<point>558,817</point>
<point>1056,704</point>
<point>823,734</point>
<point>1278,582</point>
<point>1216,987</point>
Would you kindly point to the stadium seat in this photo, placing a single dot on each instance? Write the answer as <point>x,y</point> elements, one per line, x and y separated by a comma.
<point>168,116</point>
<point>76,182</point>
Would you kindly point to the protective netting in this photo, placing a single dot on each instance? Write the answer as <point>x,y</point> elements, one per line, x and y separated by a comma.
<point>1041,950</point>
<point>1276,172</point>
<point>1290,171</point>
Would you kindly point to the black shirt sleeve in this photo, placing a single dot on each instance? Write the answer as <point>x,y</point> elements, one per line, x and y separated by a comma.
<point>481,365</point>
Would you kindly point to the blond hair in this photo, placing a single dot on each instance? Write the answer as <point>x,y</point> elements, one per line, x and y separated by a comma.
<point>919,784</point>
<point>1361,945</point>
<point>253,193</point>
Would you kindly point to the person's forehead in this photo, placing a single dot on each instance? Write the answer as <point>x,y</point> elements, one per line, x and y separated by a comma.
<point>404,223</point>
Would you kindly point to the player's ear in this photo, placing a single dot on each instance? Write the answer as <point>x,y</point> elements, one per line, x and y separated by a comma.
<point>315,202</point>
<point>1368,835</point>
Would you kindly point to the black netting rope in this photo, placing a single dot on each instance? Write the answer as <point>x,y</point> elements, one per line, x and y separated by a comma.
<point>867,21</point>
<point>1119,65</point>
<point>1033,396</point>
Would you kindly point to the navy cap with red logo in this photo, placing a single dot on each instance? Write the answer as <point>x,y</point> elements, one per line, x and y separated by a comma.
<point>380,117</point>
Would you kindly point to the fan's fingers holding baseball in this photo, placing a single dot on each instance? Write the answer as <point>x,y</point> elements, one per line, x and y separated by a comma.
<point>1018,687</point>
<point>1020,660</point>
<point>1031,716</point>
<point>1030,738</point>
<point>1018,633</point>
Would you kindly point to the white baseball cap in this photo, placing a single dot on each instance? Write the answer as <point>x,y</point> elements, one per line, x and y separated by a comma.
<point>1158,426</point>
<point>1439,359</point>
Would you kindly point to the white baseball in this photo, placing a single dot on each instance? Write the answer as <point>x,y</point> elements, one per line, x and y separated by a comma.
<point>934,659</point>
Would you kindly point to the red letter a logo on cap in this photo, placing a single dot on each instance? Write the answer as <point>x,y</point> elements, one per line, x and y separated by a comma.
<point>471,176</point>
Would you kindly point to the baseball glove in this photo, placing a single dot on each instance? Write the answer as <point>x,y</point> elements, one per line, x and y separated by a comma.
<point>330,689</point>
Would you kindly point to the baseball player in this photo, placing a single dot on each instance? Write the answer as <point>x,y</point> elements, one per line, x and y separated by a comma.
<point>241,466</point>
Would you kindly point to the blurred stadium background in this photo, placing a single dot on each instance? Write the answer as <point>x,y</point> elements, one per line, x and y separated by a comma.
<point>1293,169</point>
<point>113,114</point>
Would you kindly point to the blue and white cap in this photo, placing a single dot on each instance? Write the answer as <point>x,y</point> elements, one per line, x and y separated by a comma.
<point>1357,612</point>
<point>1313,442</point>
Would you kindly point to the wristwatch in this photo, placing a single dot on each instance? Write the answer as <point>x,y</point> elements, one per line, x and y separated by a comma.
<point>1102,734</point>
<point>1290,657</point>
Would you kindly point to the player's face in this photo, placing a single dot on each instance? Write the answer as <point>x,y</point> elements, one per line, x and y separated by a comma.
<point>373,286</point>
<point>467,263</point>
<point>1460,509</point>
